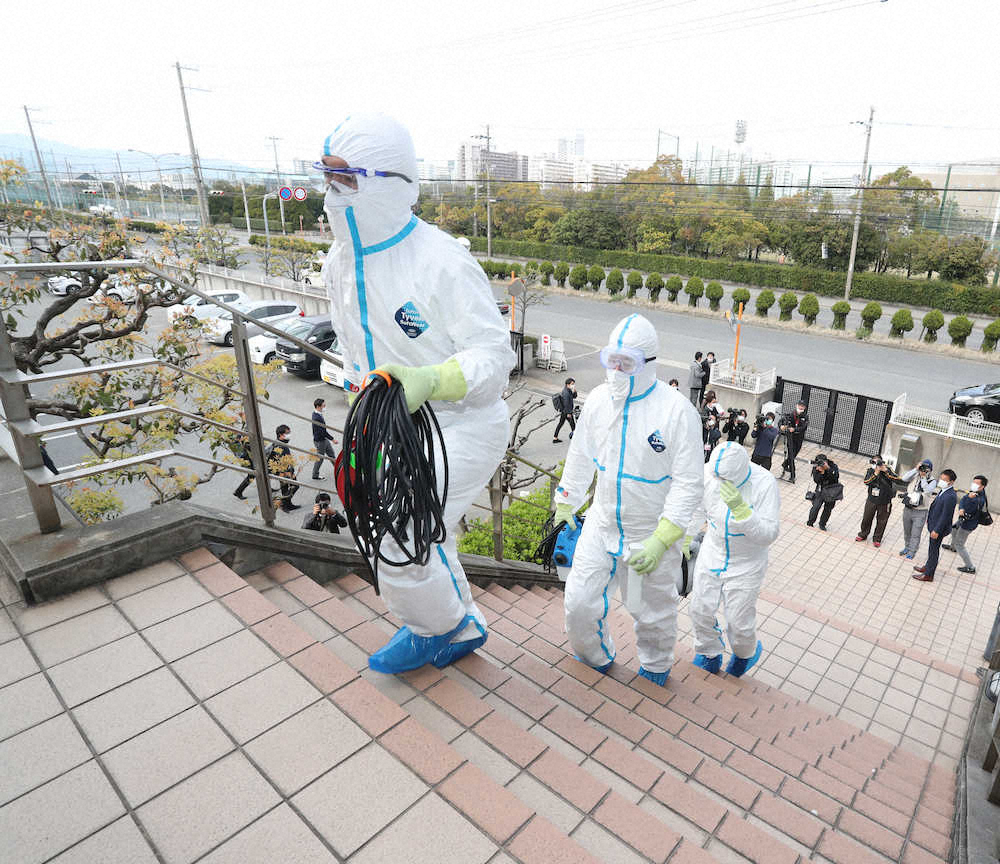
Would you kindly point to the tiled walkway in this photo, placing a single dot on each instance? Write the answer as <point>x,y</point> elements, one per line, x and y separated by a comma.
<point>184,714</point>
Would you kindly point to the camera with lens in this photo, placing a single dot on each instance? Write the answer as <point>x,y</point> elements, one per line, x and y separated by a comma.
<point>759,422</point>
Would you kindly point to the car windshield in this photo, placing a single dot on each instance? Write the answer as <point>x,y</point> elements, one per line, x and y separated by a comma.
<point>300,329</point>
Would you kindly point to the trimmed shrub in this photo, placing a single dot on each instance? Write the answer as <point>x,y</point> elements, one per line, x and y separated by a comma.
<point>841,309</point>
<point>654,284</point>
<point>933,321</point>
<point>765,300</point>
<point>561,273</point>
<point>694,289</point>
<point>863,332</point>
<point>740,295</point>
<point>809,308</point>
<point>870,314</point>
<point>578,276</point>
<point>595,276</point>
<point>787,303</point>
<point>674,286</point>
<point>616,282</point>
<point>959,329</point>
<point>884,287</point>
<point>546,268</point>
<point>991,335</point>
<point>714,293</point>
<point>634,282</point>
<point>902,323</point>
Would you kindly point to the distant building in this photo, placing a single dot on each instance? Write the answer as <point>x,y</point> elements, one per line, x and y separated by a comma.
<point>476,162</point>
<point>549,171</point>
<point>302,166</point>
<point>978,210</point>
<point>587,173</point>
<point>570,148</point>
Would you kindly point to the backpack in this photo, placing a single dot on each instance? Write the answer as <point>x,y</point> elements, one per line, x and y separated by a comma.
<point>557,401</point>
<point>984,516</point>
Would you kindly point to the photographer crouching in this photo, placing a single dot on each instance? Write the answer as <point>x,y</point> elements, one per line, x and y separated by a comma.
<point>879,479</point>
<point>323,517</point>
<point>826,476</point>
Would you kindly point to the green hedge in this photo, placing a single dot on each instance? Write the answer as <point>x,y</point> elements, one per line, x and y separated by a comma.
<point>149,227</point>
<point>280,242</point>
<point>934,293</point>
<point>273,225</point>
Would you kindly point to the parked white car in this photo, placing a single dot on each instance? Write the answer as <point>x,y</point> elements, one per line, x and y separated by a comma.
<point>60,286</point>
<point>219,327</point>
<point>194,306</point>
<point>261,346</point>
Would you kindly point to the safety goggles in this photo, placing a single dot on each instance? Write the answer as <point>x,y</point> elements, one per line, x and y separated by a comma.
<point>350,173</point>
<point>624,359</point>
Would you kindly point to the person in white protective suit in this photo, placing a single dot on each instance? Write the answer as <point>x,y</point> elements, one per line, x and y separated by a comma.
<point>643,438</point>
<point>742,506</point>
<point>409,300</point>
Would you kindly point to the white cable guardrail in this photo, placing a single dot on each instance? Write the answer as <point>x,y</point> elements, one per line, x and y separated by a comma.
<point>944,423</point>
<point>740,378</point>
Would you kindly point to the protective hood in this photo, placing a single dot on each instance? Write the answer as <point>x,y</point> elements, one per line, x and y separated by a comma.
<point>636,332</point>
<point>730,462</point>
<point>382,205</point>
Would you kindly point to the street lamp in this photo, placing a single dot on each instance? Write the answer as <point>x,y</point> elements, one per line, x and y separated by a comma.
<point>156,159</point>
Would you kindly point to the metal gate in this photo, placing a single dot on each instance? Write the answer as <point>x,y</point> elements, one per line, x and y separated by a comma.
<point>847,421</point>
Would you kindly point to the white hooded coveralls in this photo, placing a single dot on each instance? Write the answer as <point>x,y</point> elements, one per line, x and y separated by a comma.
<point>402,291</point>
<point>644,442</point>
<point>733,556</point>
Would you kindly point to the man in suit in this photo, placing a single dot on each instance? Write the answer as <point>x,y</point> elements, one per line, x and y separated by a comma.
<point>281,464</point>
<point>322,439</point>
<point>696,377</point>
<point>939,518</point>
<point>794,430</point>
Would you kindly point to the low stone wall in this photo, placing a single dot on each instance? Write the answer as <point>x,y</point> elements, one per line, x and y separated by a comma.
<point>965,458</point>
<point>312,303</point>
<point>732,397</point>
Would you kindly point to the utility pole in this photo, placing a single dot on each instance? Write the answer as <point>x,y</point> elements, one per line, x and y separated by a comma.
<point>277,176</point>
<point>246,205</point>
<point>489,228</point>
<point>195,163</point>
<point>857,206</point>
<point>121,175</point>
<point>55,178</point>
<point>38,156</point>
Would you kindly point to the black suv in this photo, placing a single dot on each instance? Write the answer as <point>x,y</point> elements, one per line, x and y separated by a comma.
<point>316,330</point>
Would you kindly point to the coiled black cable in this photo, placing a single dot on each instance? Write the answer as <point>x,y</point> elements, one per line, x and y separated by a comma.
<point>389,477</point>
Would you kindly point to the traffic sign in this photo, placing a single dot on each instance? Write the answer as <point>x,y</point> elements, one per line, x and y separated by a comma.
<point>285,193</point>
<point>300,193</point>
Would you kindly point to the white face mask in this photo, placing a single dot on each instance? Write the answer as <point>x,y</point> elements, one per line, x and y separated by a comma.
<point>943,484</point>
<point>619,383</point>
<point>975,487</point>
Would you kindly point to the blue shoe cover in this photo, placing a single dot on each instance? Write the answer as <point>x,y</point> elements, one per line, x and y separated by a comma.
<point>709,664</point>
<point>602,669</point>
<point>740,665</point>
<point>656,677</point>
<point>406,650</point>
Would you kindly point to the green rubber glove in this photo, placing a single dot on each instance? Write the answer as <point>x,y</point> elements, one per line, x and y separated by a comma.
<point>731,497</point>
<point>653,547</point>
<point>564,513</point>
<point>686,546</point>
<point>444,381</point>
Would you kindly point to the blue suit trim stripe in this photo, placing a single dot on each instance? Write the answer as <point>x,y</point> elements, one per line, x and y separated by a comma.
<point>359,278</point>
<point>600,621</point>
<point>392,241</point>
<point>639,479</point>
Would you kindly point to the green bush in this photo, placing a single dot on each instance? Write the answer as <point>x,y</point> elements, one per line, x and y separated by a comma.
<point>841,309</point>
<point>616,282</point>
<point>870,314</point>
<point>863,332</point>
<point>991,335</point>
<point>959,329</point>
<point>674,287</point>
<point>546,268</point>
<point>809,308</point>
<point>901,324</point>
<point>595,276</point>
<point>740,295</point>
<point>280,242</point>
<point>578,276</point>
<point>634,282</point>
<point>884,287</point>
<point>561,273</point>
<point>149,227</point>
<point>765,300</point>
<point>694,289</point>
<point>522,529</point>
<point>714,293</point>
<point>654,284</point>
<point>787,303</point>
<point>933,321</point>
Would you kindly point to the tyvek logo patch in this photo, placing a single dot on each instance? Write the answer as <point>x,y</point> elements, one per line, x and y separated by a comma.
<point>656,442</point>
<point>410,321</point>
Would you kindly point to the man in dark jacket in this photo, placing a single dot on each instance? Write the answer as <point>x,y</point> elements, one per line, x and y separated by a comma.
<point>323,517</point>
<point>794,430</point>
<point>706,368</point>
<point>696,378</point>
<point>566,410</point>
<point>972,504</point>
<point>878,479</point>
<point>322,439</point>
<point>765,435</point>
<point>736,427</point>
<point>939,519</point>
<point>279,463</point>
<point>825,474</point>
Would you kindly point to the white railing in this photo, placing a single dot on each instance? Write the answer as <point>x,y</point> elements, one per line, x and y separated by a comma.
<point>944,423</point>
<point>742,378</point>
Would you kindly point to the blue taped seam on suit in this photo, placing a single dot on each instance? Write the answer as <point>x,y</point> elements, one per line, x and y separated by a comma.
<point>600,621</point>
<point>600,467</point>
<point>621,461</point>
<point>468,618</point>
<point>639,479</point>
<point>628,321</point>
<point>392,241</point>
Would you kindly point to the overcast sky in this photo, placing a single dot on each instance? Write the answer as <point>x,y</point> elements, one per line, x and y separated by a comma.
<point>799,72</point>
